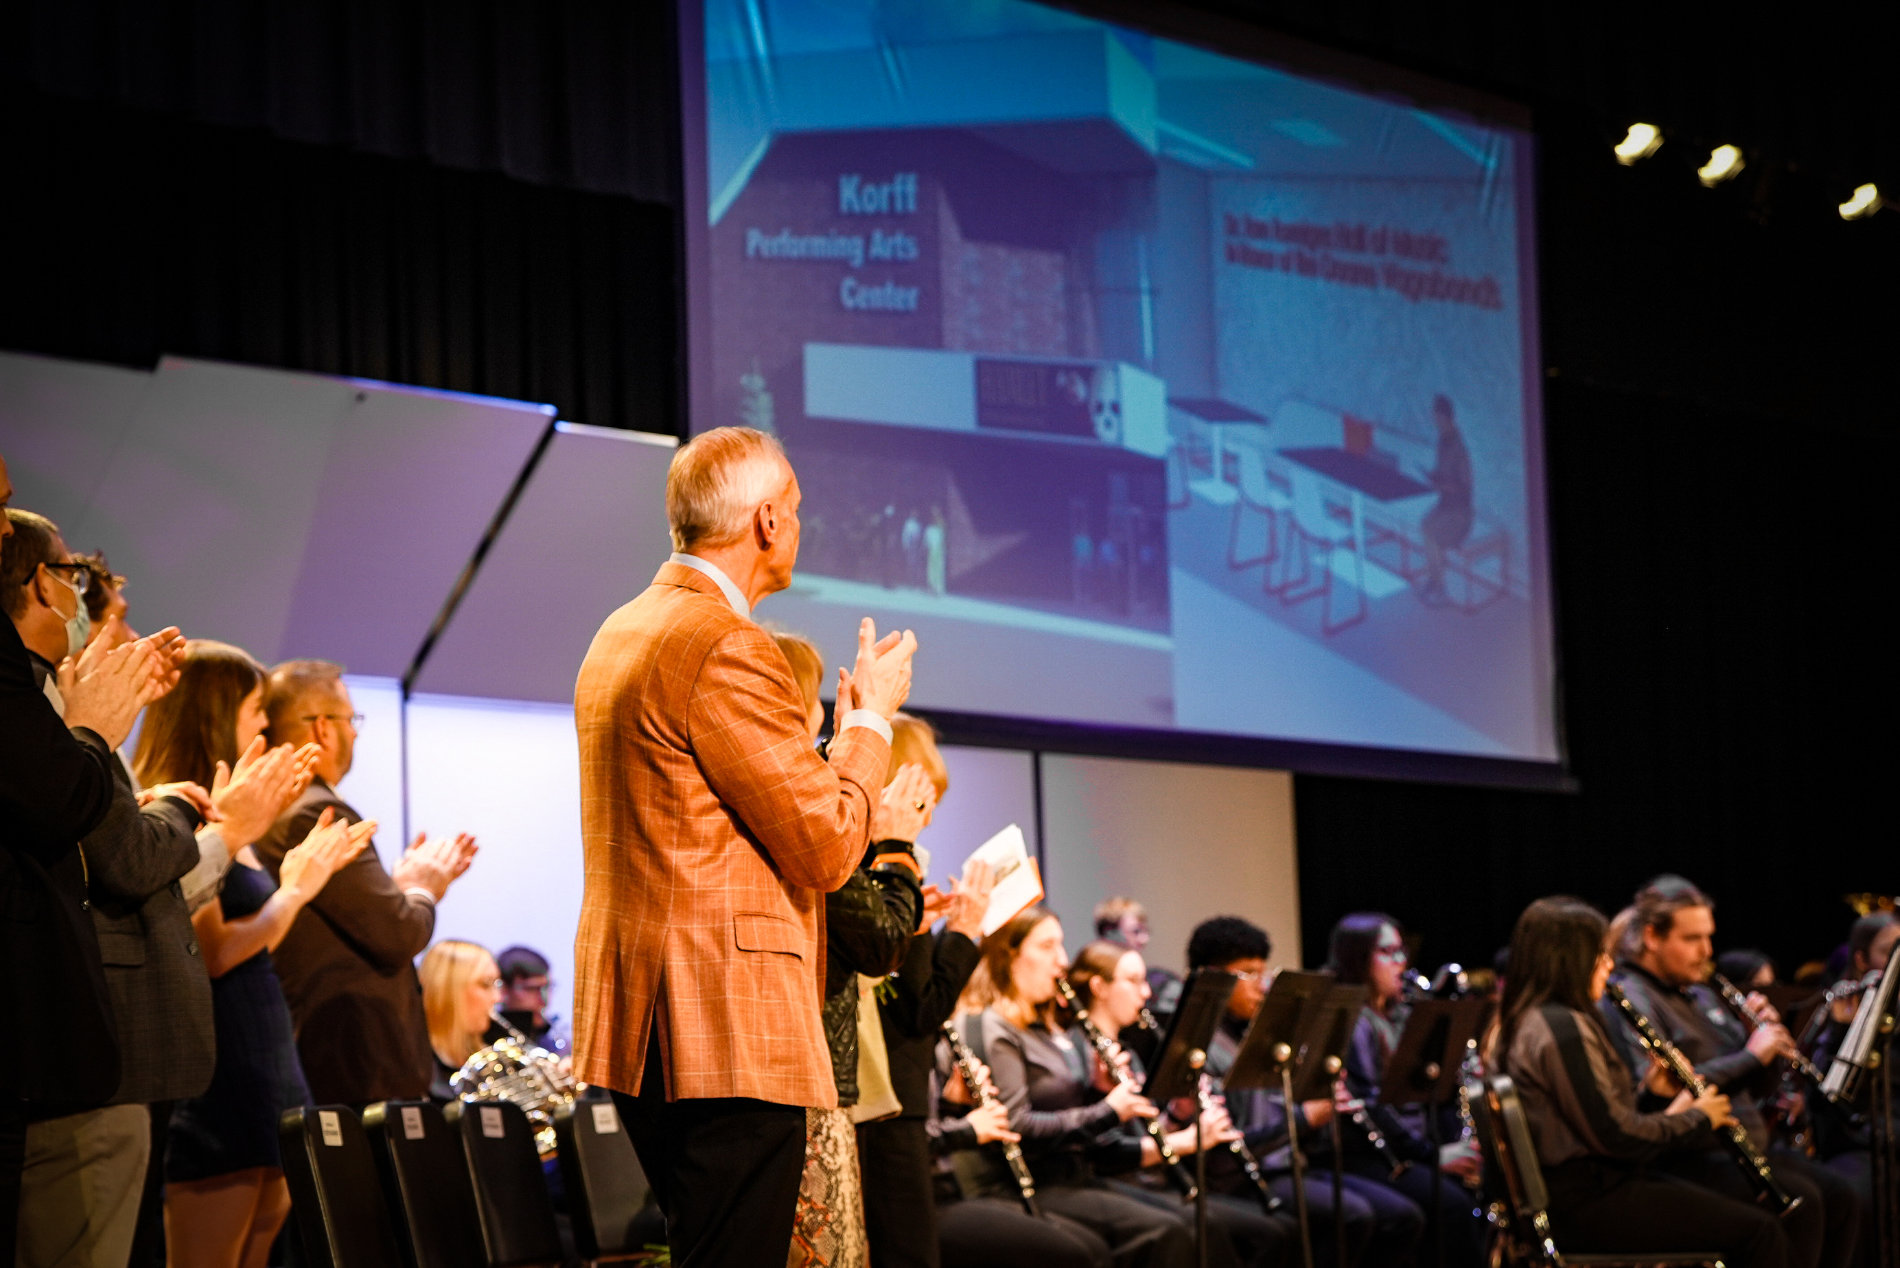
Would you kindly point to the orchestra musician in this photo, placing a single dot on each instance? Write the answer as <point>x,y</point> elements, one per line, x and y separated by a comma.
<point>1596,1147</point>
<point>1368,948</point>
<point>1380,1224</point>
<point>1111,980</point>
<point>1070,1126</point>
<point>1668,950</point>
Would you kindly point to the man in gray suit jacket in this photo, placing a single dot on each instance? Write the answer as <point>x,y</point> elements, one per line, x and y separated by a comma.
<point>85,1173</point>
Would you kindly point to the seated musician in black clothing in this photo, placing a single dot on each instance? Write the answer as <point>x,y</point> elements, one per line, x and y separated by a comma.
<point>1368,949</point>
<point>525,986</point>
<point>1597,1149</point>
<point>1668,950</point>
<point>1381,1225</point>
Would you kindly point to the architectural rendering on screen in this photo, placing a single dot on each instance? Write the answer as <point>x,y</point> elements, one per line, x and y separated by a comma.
<point>1154,387</point>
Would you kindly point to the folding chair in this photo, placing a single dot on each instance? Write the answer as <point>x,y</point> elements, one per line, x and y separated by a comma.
<point>425,1181</point>
<point>335,1195</point>
<point>606,1189</point>
<point>1520,1214</point>
<point>511,1194</point>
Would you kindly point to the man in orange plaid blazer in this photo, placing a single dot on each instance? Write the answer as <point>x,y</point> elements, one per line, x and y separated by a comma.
<point>712,831</point>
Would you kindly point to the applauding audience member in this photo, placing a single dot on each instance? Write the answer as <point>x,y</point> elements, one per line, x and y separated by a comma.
<point>84,1173</point>
<point>226,1196</point>
<point>348,968</point>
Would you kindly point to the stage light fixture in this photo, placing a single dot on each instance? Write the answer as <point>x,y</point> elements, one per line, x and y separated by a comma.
<point>1864,203</point>
<point>1642,141</point>
<point>1724,162</point>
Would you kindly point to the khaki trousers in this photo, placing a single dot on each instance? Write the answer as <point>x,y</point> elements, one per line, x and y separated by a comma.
<point>80,1188</point>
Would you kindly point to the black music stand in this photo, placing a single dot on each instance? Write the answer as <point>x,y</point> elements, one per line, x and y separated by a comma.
<point>1177,1072</point>
<point>1297,1039</point>
<point>1426,1068</point>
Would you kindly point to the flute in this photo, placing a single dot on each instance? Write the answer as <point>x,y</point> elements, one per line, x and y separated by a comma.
<point>1754,1167</point>
<point>1012,1152</point>
<point>1110,1052</point>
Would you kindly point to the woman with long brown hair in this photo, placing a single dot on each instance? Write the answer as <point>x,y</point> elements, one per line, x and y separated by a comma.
<point>225,1196</point>
<point>1594,1145</point>
<point>1069,1116</point>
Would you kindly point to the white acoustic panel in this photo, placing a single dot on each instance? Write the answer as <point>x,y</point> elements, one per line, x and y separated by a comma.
<point>1189,842</point>
<point>374,786</point>
<point>291,514</point>
<point>60,424</point>
<point>989,790</point>
<point>509,772</point>
<point>586,536</point>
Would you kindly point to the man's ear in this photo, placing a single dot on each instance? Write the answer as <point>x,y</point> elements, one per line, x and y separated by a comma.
<point>765,523</point>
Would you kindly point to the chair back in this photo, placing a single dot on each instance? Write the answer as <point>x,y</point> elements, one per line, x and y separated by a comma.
<point>426,1184</point>
<point>1309,504</point>
<point>1253,476</point>
<point>606,1188</point>
<point>511,1194</point>
<point>336,1196</point>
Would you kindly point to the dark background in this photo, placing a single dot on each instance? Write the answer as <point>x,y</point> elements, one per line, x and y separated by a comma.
<point>484,197</point>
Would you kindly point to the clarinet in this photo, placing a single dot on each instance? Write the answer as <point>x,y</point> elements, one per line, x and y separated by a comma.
<point>1746,1011</point>
<point>1376,1138</point>
<point>1109,1051</point>
<point>1249,1165</point>
<point>1012,1152</point>
<point>1754,1167</point>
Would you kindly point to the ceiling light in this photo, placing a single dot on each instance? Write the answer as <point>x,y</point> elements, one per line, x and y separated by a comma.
<point>1642,141</point>
<point>1865,202</point>
<point>1724,162</point>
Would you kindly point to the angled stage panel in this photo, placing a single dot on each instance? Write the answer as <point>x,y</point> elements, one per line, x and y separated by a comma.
<point>585,537</point>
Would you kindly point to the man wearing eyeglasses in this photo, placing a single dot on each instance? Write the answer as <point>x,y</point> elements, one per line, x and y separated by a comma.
<point>349,974</point>
<point>83,1170</point>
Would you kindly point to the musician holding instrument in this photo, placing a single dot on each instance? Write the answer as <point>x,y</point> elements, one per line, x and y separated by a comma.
<point>461,988</point>
<point>1368,948</point>
<point>1600,1153</point>
<point>1070,1124</point>
<point>1668,957</point>
<point>1110,981</point>
<point>1380,1224</point>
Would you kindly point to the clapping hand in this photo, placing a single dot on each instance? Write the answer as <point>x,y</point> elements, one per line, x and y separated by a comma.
<point>104,691</point>
<point>434,865</point>
<point>881,680</point>
<point>969,900</point>
<point>331,843</point>
<point>904,809</point>
<point>250,795</point>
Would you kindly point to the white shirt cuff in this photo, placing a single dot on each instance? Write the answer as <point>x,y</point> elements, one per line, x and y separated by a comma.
<point>416,891</point>
<point>866,717</point>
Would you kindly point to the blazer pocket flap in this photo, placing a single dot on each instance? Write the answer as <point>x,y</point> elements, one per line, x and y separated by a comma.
<point>762,931</point>
<point>121,949</point>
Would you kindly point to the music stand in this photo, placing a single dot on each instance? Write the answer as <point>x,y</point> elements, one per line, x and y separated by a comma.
<point>1177,1072</point>
<point>1297,1038</point>
<point>1426,1067</point>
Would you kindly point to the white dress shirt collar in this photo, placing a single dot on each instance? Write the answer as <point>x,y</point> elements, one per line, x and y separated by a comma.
<point>733,594</point>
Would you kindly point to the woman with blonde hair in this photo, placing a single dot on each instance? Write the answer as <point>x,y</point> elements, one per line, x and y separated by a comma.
<point>225,1194</point>
<point>461,988</point>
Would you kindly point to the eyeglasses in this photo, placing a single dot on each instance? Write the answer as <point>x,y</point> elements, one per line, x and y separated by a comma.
<point>1263,976</point>
<point>1392,954</point>
<point>496,985</point>
<point>78,576</point>
<point>534,988</point>
<point>355,720</point>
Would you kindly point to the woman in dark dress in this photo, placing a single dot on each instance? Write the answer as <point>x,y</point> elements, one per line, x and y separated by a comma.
<point>225,1196</point>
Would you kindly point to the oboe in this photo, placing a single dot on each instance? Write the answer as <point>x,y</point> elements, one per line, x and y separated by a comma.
<point>979,1090</point>
<point>1754,1167</point>
<point>1746,1011</point>
<point>1110,1052</point>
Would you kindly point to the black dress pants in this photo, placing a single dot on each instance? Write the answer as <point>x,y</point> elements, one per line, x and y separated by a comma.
<point>1138,1235</point>
<point>12,1161</point>
<point>1592,1210</point>
<point>1459,1222</point>
<point>998,1233</point>
<point>1821,1231</point>
<point>1239,1233</point>
<point>1380,1225</point>
<point>900,1219</point>
<point>724,1171</point>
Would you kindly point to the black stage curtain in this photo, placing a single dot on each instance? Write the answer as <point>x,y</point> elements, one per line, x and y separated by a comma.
<point>137,235</point>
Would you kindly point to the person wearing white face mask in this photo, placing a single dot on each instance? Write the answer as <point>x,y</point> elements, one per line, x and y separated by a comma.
<point>84,1172</point>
